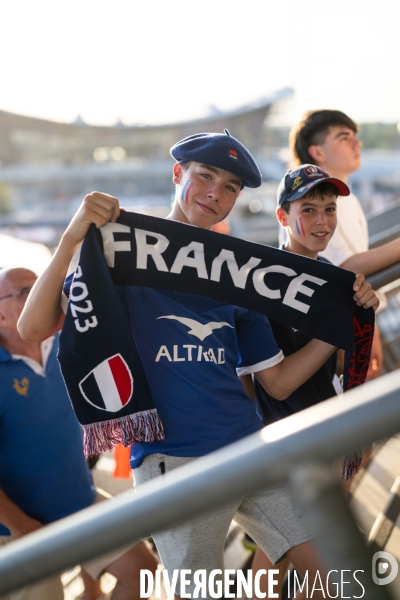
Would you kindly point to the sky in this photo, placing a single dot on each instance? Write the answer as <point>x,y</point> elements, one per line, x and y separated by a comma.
<point>161,61</point>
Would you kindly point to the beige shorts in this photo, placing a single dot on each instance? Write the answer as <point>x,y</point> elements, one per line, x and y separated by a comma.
<point>269,516</point>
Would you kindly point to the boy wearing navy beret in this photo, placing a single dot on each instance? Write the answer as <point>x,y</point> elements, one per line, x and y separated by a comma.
<point>200,399</point>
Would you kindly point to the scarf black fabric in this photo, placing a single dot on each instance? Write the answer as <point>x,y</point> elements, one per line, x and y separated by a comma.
<point>311,296</point>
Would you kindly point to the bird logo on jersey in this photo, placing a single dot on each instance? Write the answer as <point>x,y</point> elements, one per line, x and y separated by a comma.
<point>197,329</point>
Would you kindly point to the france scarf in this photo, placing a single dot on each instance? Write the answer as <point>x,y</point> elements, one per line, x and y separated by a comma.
<point>98,356</point>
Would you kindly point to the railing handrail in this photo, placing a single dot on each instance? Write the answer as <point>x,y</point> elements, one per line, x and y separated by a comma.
<point>384,277</point>
<point>323,432</point>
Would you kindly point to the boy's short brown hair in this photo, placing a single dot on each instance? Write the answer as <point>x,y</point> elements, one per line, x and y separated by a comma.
<point>313,129</point>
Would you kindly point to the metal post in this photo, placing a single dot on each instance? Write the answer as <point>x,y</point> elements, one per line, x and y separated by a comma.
<point>337,537</point>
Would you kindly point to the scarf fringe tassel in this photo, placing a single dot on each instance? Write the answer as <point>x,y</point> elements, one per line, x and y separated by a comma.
<point>143,426</point>
<point>351,465</point>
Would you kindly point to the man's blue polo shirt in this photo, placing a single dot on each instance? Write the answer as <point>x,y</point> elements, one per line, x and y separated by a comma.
<point>42,468</point>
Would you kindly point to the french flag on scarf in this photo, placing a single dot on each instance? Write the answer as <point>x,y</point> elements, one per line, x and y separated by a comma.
<point>100,363</point>
<point>109,386</point>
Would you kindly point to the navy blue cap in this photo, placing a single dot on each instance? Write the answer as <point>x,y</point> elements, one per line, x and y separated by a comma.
<point>300,180</point>
<point>219,150</point>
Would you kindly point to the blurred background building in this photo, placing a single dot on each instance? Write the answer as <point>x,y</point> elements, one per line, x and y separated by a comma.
<point>46,167</point>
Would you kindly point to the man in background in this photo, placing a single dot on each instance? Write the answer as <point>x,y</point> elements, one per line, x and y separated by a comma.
<point>43,473</point>
<point>328,139</point>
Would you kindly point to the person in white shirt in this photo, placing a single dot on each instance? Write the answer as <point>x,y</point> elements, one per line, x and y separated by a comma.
<point>328,139</point>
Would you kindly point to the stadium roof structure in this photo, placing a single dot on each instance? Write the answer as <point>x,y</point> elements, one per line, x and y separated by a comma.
<point>32,141</point>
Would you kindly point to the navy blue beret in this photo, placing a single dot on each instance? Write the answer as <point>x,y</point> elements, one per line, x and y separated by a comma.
<point>219,150</point>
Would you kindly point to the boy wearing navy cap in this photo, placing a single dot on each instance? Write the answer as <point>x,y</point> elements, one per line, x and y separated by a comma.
<point>202,404</point>
<point>306,198</point>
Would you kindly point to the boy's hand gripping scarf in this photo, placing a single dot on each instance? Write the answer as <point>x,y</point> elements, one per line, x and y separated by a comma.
<point>99,360</point>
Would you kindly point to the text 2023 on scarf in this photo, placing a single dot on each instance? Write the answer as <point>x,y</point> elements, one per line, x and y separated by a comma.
<point>99,360</point>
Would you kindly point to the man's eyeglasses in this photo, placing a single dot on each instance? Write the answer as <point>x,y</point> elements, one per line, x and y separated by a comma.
<point>22,292</point>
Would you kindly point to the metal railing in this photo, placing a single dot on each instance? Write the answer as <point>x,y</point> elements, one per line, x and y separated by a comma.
<point>385,226</point>
<point>384,277</point>
<point>295,447</point>
<point>388,321</point>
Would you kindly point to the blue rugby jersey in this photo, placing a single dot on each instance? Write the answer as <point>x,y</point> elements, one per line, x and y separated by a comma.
<point>190,347</point>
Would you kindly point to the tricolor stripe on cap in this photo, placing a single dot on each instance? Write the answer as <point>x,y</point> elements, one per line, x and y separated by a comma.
<point>108,386</point>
